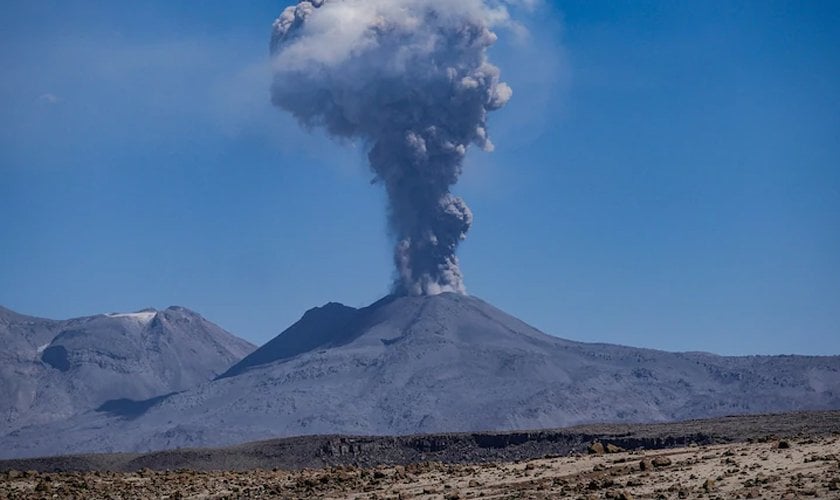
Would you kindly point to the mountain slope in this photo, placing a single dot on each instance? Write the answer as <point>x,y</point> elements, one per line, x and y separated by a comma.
<point>52,370</point>
<point>319,326</point>
<point>441,363</point>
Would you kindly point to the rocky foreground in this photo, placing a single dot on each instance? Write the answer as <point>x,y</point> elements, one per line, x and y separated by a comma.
<point>795,455</point>
<point>795,468</point>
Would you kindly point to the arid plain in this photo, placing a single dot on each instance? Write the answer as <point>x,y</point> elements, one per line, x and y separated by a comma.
<point>798,460</point>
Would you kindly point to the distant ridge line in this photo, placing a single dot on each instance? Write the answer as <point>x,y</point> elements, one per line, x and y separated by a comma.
<point>320,451</point>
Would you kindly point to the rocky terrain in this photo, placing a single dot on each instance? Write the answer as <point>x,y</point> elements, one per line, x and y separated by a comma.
<point>774,456</point>
<point>52,370</point>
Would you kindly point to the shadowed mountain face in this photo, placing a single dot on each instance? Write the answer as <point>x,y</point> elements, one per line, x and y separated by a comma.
<point>438,364</point>
<point>321,326</point>
<point>52,370</point>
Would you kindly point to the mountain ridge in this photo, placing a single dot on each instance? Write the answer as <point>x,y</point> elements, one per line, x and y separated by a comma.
<point>54,369</point>
<point>444,363</point>
<point>335,450</point>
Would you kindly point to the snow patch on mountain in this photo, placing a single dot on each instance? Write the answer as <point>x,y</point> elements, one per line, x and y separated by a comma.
<point>143,316</point>
<point>51,370</point>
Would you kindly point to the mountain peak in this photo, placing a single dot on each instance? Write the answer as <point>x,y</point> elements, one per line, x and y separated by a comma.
<point>143,316</point>
<point>326,309</point>
<point>319,326</point>
<point>443,363</point>
<point>388,320</point>
<point>52,369</point>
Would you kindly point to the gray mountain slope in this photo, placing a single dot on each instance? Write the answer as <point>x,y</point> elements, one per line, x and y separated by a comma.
<point>319,326</point>
<point>52,370</point>
<point>442,363</point>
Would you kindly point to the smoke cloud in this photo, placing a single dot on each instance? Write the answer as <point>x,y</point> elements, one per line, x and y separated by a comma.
<point>411,80</point>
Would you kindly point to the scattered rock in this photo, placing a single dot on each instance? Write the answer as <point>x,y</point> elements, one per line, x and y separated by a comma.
<point>783,445</point>
<point>596,448</point>
<point>753,493</point>
<point>611,448</point>
<point>563,477</point>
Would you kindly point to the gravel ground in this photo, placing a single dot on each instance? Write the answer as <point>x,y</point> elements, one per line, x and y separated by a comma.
<point>794,455</point>
<point>795,468</point>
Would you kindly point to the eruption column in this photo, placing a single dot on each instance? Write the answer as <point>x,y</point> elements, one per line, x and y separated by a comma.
<point>409,78</point>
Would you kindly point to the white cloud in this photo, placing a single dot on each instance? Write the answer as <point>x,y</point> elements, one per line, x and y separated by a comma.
<point>49,98</point>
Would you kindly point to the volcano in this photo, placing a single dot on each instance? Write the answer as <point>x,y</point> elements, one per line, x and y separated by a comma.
<point>51,370</point>
<point>439,363</point>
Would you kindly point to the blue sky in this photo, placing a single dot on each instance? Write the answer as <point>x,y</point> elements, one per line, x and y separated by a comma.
<point>666,175</point>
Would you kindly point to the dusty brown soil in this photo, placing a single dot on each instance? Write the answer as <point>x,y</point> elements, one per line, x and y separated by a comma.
<point>794,468</point>
<point>793,455</point>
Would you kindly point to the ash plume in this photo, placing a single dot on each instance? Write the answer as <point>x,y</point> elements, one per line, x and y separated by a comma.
<point>411,80</point>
